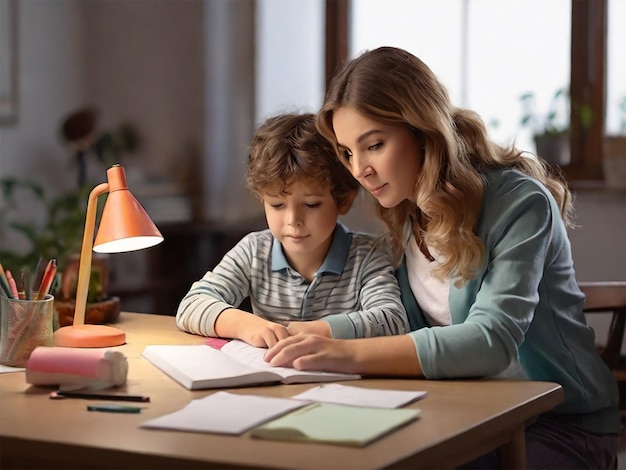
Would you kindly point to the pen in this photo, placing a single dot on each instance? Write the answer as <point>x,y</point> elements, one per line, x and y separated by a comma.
<point>98,396</point>
<point>48,277</point>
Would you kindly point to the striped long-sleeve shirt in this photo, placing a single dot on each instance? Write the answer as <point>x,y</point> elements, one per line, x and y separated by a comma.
<point>354,290</point>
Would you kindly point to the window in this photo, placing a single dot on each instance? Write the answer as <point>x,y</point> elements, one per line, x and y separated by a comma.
<point>616,69</point>
<point>289,57</point>
<point>488,53</point>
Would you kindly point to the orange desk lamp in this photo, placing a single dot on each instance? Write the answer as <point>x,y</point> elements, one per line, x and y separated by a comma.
<point>124,226</point>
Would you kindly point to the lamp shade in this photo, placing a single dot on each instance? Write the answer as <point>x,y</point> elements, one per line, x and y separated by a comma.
<point>124,225</point>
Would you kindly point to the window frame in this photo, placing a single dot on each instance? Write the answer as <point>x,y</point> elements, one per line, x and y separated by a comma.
<point>336,37</point>
<point>588,65</point>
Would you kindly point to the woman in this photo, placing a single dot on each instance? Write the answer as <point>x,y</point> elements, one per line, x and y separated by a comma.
<point>485,266</point>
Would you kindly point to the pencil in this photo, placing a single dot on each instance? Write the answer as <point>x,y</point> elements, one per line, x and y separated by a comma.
<point>98,396</point>
<point>46,281</point>
<point>23,291</point>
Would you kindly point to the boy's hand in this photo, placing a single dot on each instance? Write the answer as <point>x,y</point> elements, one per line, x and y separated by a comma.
<point>316,327</point>
<point>256,331</point>
<point>263,334</point>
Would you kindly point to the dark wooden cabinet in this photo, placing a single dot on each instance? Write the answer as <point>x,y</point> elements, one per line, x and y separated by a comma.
<point>156,279</point>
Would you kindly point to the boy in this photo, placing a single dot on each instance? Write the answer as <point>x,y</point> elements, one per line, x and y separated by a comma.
<point>307,273</point>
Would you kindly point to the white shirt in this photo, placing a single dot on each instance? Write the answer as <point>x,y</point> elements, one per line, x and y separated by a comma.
<point>430,292</point>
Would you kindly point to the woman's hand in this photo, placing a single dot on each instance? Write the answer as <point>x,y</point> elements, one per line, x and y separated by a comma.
<point>313,352</point>
<point>383,355</point>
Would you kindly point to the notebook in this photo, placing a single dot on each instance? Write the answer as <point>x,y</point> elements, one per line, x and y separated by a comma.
<point>236,364</point>
<point>335,424</point>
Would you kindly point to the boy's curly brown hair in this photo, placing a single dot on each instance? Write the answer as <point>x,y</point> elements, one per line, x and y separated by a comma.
<point>288,148</point>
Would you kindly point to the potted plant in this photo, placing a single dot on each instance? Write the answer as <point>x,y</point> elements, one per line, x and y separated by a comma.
<point>101,308</point>
<point>550,131</point>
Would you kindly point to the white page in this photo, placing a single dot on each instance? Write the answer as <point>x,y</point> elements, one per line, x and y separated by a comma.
<point>224,413</point>
<point>358,396</point>
<point>5,369</point>
<point>201,366</point>
<point>253,357</point>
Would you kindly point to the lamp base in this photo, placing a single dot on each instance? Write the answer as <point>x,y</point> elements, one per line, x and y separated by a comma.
<point>88,336</point>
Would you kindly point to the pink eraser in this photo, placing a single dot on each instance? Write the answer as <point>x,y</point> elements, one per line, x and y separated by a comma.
<point>71,366</point>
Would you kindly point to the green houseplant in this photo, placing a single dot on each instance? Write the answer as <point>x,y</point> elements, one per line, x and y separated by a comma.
<point>550,131</point>
<point>57,235</point>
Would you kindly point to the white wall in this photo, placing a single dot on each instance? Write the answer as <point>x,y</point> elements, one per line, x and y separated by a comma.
<point>51,82</point>
<point>144,62</point>
<point>599,241</point>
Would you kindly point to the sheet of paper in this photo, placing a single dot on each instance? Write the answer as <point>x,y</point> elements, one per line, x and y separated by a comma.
<point>224,413</point>
<point>335,424</point>
<point>359,396</point>
<point>5,369</point>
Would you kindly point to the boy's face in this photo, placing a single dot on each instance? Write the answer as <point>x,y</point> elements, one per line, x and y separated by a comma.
<point>303,219</point>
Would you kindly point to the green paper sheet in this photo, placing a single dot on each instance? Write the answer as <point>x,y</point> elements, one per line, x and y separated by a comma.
<point>335,424</point>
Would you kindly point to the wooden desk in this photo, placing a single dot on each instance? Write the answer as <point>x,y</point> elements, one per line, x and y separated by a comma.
<point>460,421</point>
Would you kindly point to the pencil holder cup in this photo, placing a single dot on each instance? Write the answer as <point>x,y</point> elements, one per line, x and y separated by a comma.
<point>24,325</point>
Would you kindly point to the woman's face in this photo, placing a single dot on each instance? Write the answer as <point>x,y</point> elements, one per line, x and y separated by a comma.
<point>385,159</point>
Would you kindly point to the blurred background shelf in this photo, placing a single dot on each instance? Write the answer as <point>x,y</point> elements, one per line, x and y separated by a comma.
<point>155,280</point>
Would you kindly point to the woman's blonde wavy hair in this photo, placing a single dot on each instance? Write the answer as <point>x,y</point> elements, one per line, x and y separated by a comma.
<point>392,86</point>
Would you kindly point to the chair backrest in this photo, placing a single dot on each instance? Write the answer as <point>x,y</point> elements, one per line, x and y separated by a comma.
<point>609,296</point>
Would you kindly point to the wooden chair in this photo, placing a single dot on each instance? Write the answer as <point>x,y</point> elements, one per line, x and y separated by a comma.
<point>610,297</point>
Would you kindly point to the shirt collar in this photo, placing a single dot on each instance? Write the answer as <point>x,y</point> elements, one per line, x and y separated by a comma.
<point>335,259</point>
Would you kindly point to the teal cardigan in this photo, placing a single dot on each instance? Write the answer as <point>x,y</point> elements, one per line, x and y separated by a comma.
<point>523,303</point>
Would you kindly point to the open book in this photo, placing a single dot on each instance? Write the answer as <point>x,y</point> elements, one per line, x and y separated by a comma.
<point>236,364</point>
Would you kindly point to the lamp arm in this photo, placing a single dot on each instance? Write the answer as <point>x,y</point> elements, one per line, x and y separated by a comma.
<point>84,266</point>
